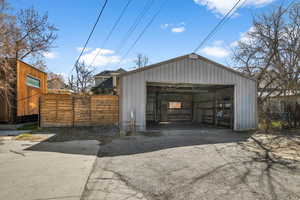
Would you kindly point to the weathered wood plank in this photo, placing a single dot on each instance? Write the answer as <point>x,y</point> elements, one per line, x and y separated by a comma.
<point>59,110</point>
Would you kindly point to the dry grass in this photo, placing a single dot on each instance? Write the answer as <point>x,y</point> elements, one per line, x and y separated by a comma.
<point>278,145</point>
<point>30,137</point>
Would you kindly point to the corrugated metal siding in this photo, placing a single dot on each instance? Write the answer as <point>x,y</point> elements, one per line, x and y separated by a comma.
<point>195,71</point>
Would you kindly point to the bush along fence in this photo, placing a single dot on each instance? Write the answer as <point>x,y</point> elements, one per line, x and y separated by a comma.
<point>64,110</point>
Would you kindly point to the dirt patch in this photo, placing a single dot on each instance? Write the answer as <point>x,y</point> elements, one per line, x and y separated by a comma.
<point>31,137</point>
<point>278,146</point>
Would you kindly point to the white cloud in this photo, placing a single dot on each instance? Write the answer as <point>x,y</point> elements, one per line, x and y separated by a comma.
<point>218,42</point>
<point>234,44</point>
<point>223,6</point>
<point>216,50</point>
<point>244,37</point>
<point>178,29</point>
<point>165,26</point>
<point>104,57</point>
<point>175,28</point>
<point>181,24</point>
<point>81,48</point>
<point>50,55</point>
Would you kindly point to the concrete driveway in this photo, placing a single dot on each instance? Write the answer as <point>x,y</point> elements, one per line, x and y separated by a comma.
<point>45,170</point>
<point>209,164</point>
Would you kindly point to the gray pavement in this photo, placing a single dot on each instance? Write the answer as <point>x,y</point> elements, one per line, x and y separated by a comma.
<point>43,170</point>
<point>13,132</point>
<point>189,165</point>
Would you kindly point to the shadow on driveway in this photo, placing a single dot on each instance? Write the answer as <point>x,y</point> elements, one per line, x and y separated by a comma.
<point>79,140</point>
<point>144,142</point>
<point>83,141</point>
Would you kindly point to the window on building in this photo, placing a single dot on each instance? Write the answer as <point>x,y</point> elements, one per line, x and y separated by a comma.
<point>34,82</point>
<point>175,105</point>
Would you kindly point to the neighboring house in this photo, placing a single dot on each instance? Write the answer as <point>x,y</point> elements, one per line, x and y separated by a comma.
<point>187,89</point>
<point>57,85</point>
<point>106,82</point>
<point>280,104</point>
<point>30,84</point>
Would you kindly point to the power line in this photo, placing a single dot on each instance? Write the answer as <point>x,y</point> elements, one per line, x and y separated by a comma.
<point>228,18</point>
<point>90,35</point>
<point>136,22</point>
<point>221,22</point>
<point>112,30</point>
<point>290,4</point>
<point>144,30</point>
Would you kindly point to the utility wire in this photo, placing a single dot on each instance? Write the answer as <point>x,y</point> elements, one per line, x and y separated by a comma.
<point>136,22</point>
<point>221,22</point>
<point>290,4</point>
<point>112,30</point>
<point>228,18</point>
<point>90,35</point>
<point>143,31</point>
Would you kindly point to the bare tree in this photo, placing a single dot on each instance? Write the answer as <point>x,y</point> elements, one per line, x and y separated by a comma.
<point>36,35</point>
<point>71,83</point>
<point>24,35</point>
<point>39,63</point>
<point>271,52</point>
<point>7,80</point>
<point>7,30</point>
<point>141,60</point>
<point>83,79</point>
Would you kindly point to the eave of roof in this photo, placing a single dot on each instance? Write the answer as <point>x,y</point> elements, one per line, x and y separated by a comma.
<point>32,66</point>
<point>181,58</point>
<point>106,73</point>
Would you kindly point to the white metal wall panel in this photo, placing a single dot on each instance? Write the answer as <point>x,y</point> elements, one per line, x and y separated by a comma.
<point>195,71</point>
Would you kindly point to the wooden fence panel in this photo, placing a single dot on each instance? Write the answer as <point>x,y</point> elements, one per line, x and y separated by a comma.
<point>63,110</point>
<point>104,109</point>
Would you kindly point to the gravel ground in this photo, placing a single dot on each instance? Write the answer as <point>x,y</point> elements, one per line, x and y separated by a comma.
<point>190,165</point>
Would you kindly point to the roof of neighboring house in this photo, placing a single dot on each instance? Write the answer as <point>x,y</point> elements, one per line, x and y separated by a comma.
<point>108,72</point>
<point>54,82</point>
<point>107,84</point>
<point>184,57</point>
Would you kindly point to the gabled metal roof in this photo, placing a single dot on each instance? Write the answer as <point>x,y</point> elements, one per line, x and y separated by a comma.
<point>192,56</point>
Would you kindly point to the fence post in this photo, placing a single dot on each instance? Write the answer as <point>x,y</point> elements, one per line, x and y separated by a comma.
<point>39,116</point>
<point>73,113</point>
<point>56,108</point>
<point>90,109</point>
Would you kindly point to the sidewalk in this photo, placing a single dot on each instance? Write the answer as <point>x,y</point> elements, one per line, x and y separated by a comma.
<point>43,170</point>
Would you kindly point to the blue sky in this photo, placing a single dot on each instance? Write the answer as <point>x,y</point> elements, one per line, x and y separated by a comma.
<point>177,30</point>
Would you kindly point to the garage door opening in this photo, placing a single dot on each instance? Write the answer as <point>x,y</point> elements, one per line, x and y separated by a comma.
<point>189,105</point>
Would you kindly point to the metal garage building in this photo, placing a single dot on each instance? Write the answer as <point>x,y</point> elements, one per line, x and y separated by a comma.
<point>188,89</point>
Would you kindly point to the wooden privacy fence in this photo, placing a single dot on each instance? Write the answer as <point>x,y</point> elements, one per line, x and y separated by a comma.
<point>64,110</point>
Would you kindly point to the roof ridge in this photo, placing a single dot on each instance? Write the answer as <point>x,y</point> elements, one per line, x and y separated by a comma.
<point>183,57</point>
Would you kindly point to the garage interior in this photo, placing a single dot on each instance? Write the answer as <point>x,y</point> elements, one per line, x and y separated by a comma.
<point>189,105</point>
